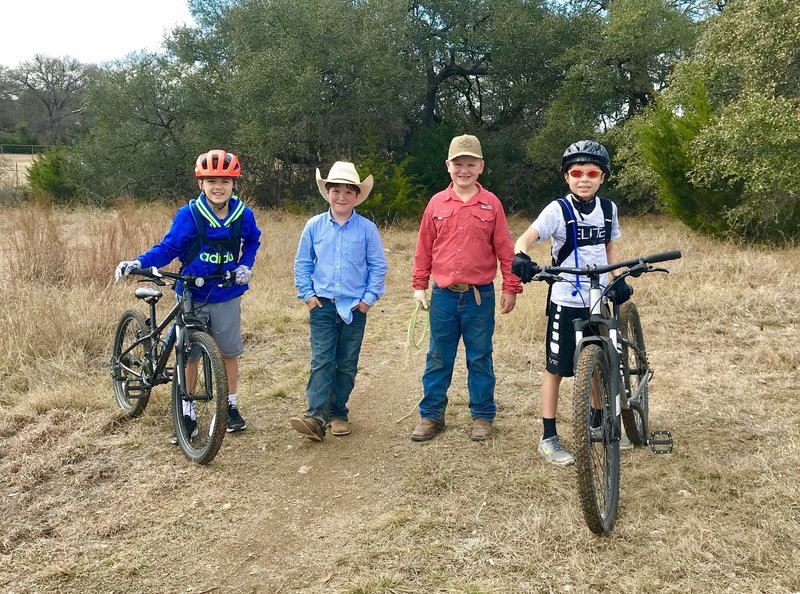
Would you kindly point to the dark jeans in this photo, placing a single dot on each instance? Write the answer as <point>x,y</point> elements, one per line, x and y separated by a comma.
<point>335,347</point>
<point>453,316</point>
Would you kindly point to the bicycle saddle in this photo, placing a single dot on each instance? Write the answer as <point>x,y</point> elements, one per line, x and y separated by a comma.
<point>148,294</point>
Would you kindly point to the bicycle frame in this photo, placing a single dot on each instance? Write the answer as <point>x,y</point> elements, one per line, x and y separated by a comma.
<point>181,318</point>
<point>605,326</point>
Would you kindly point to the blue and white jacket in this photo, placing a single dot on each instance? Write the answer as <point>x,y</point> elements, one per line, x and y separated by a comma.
<point>178,240</point>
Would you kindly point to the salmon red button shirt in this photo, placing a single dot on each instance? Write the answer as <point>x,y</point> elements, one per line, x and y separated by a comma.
<point>461,242</point>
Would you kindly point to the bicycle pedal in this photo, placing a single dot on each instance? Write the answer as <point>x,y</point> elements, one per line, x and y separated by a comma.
<point>134,389</point>
<point>660,442</point>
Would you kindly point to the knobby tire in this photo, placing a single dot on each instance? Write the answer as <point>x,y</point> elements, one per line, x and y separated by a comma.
<point>596,463</point>
<point>132,397</point>
<point>209,395</point>
<point>634,368</point>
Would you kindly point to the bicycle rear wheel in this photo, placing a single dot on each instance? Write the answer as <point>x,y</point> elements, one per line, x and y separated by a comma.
<point>634,372</point>
<point>199,412</point>
<point>596,460</point>
<point>127,366</point>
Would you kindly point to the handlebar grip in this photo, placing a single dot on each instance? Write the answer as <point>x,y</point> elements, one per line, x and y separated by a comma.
<point>663,257</point>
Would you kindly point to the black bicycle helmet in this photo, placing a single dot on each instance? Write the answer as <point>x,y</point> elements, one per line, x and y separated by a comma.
<point>586,151</point>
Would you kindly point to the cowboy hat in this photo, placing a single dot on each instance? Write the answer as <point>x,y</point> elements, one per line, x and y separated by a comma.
<point>343,172</point>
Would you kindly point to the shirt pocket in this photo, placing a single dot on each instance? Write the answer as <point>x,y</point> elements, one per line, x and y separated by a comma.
<point>443,220</point>
<point>482,224</point>
<point>355,251</point>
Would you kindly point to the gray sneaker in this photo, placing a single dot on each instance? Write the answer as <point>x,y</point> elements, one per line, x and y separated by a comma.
<point>624,442</point>
<point>551,450</point>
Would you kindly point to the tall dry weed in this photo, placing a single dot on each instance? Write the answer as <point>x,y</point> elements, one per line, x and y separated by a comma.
<point>34,248</point>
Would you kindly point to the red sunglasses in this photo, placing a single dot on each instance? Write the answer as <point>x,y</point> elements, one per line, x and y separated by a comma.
<point>591,174</point>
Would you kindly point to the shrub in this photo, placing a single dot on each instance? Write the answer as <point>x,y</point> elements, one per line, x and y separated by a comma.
<point>48,174</point>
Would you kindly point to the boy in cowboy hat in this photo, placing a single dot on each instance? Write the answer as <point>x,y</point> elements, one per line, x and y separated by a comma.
<point>339,273</point>
<point>462,236</point>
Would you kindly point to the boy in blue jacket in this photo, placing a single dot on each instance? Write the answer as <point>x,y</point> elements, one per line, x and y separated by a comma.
<point>214,233</point>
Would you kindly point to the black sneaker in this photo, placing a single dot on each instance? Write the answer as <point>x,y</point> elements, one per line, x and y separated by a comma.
<point>191,429</point>
<point>235,421</point>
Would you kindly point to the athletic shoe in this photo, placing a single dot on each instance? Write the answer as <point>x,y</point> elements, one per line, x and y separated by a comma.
<point>551,450</point>
<point>235,421</point>
<point>190,426</point>
<point>624,442</point>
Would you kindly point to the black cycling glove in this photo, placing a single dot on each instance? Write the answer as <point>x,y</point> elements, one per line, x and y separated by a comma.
<point>524,267</point>
<point>620,291</point>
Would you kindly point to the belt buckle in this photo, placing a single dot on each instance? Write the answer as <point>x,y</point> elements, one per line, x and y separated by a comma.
<point>459,288</point>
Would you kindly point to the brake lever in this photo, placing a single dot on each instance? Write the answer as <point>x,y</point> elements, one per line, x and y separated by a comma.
<point>547,277</point>
<point>228,281</point>
<point>638,271</point>
<point>651,269</point>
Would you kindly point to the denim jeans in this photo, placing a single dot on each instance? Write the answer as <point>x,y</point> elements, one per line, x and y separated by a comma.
<point>453,316</point>
<point>335,347</point>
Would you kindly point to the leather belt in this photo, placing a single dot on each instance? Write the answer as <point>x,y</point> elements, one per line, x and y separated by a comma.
<point>459,288</point>
<point>463,288</point>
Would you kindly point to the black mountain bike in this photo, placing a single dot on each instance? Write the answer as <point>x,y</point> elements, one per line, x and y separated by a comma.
<point>140,361</point>
<point>611,339</point>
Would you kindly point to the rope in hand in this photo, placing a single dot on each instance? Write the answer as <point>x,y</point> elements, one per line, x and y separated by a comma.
<point>412,325</point>
<point>416,344</point>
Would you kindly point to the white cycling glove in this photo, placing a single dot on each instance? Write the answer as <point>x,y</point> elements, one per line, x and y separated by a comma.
<point>124,268</point>
<point>243,274</point>
<point>419,296</point>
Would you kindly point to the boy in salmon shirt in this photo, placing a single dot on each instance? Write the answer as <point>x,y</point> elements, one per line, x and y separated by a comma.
<point>462,236</point>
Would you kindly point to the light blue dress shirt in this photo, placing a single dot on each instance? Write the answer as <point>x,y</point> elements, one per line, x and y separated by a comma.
<point>344,263</point>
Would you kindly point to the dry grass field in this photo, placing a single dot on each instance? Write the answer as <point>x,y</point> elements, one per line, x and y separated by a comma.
<point>14,169</point>
<point>94,503</point>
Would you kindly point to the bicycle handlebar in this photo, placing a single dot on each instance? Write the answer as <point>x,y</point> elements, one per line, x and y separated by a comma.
<point>640,263</point>
<point>188,279</point>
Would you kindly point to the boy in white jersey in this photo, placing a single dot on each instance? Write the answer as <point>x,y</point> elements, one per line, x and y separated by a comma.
<point>590,241</point>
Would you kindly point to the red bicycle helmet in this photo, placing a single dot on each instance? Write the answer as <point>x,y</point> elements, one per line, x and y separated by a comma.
<point>217,163</point>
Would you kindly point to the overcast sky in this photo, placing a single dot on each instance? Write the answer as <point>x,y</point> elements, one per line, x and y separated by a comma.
<point>91,31</point>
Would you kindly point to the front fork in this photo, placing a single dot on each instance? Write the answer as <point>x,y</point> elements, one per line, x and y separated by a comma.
<point>612,349</point>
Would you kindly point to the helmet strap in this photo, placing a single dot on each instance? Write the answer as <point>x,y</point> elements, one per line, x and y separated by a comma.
<point>584,207</point>
<point>220,207</point>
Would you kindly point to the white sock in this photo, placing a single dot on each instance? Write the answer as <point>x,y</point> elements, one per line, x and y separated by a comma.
<point>232,399</point>
<point>188,409</point>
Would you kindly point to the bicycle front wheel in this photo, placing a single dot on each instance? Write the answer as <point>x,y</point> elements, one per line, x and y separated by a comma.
<point>596,451</point>
<point>200,398</point>
<point>128,364</point>
<point>635,374</point>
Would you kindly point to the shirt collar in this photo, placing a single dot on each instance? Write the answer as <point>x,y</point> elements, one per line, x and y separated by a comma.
<point>233,209</point>
<point>331,219</point>
<point>480,195</point>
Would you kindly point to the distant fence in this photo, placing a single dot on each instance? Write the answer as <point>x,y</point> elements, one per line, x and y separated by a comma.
<point>22,149</point>
<point>14,168</point>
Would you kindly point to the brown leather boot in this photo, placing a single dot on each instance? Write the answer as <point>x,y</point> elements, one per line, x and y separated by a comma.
<point>427,429</point>
<point>481,429</point>
<point>340,427</point>
<point>308,427</point>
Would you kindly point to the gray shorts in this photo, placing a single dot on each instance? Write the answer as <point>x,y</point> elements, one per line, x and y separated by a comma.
<point>224,321</point>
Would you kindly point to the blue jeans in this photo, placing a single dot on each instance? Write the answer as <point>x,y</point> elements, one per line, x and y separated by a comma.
<point>453,316</point>
<point>335,347</point>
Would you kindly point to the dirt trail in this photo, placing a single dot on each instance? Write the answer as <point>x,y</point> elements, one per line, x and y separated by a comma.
<point>94,505</point>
